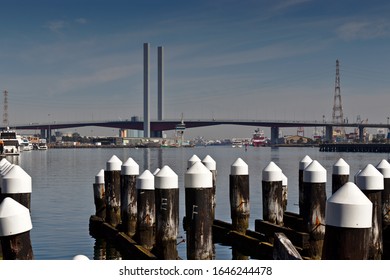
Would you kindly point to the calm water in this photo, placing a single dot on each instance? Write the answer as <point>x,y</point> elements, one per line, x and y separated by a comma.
<point>62,197</point>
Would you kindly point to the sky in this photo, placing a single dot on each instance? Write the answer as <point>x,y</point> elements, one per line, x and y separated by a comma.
<point>81,60</point>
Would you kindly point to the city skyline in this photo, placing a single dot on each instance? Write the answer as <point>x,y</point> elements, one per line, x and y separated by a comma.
<point>268,60</point>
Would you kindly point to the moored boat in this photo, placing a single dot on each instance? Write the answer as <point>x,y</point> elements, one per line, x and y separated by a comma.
<point>258,138</point>
<point>9,142</point>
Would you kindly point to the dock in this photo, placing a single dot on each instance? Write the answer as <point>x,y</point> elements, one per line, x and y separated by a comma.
<point>355,147</point>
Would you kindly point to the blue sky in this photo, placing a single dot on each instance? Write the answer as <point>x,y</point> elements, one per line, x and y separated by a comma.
<point>83,60</point>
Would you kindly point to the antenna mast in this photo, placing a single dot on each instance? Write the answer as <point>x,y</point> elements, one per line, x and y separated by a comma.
<point>5,112</point>
<point>338,118</point>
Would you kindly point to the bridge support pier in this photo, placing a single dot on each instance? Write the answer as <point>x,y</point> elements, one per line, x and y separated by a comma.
<point>361,134</point>
<point>328,133</point>
<point>274,135</point>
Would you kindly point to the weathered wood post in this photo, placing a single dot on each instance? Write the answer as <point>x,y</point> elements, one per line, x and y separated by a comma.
<point>272,194</point>
<point>167,213</point>
<point>302,165</point>
<point>112,181</point>
<point>384,168</point>
<point>192,160</point>
<point>146,210</point>
<point>284,192</point>
<point>239,195</point>
<point>16,183</point>
<point>198,201</point>
<point>348,220</point>
<point>129,173</point>
<point>210,163</point>
<point>99,195</point>
<point>15,226</point>
<point>340,174</point>
<point>313,214</point>
<point>370,181</point>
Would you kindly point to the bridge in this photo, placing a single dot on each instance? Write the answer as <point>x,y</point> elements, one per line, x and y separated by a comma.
<point>157,126</point>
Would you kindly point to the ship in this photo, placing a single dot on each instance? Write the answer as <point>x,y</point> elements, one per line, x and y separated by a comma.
<point>9,142</point>
<point>258,138</point>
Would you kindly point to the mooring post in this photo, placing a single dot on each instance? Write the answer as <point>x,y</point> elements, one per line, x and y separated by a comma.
<point>348,220</point>
<point>112,179</point>
<point>167,213</point>
<point>15,226</point>
<point>239,195</point>
<point>284,192</point>
<point>302,165</point>
<point>272,177</point>
<point>198,202</point>
<point>146,210</point>
<point>192,160</point>
<point>210,163</point>
<point>313,214</point>
<point>340,174</point>
<point>16,183</point>
<point>129,173</point>
<point>99,196</point>
<point>384,168</point>
<point>370,181</point>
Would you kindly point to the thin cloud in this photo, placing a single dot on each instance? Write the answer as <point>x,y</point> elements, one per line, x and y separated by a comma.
<point>363,30</point>
<point>56,25</point>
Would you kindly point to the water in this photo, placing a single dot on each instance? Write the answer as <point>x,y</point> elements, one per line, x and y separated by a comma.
<point>62,197</point>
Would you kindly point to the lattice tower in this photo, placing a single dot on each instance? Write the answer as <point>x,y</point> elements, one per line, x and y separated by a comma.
<point>5,109</point>
<point>337,115</point>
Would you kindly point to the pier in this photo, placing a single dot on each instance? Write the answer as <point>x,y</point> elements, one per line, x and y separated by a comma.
<point>355,147</point>
<point>277,235</point>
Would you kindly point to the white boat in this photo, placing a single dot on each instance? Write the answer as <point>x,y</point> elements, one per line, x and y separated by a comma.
<point>42,146</point>
<point>25,144</point>
<point>236,143</point>
<point>9,143</point>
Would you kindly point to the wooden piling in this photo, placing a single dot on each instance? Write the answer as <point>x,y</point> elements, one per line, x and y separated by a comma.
<point>99,196</point>
<point>210,163</point>
<point>167,213</point>
<point>384,167</point>
<point>370,181</point>
<point>112,179</point>
<point>302,165</point>
<point>239,195</point>
<point>16,183</point>
<point>15,226</point>
<point>129,173</point>
<point>340,174</point>
<point>198,202</point>
<point>192,160</point>
<point>146,210</point>
<point>348,220</point>
<point>313,214</point>
<point>284,192</point>
<point>272,194</point>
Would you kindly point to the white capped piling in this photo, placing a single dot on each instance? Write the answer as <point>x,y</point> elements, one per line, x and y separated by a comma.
<point>192,160</point>
<point>370,181</point>
<point>198,183</point>
<point>146,210</point>
<point>80,258</point>
<point>167,213</point>
<point>17,184</point>
<point>112,179</point>
<point>313,212</point>
<point>129,173</point>
<point>239,195</point>
<point>340,174</point>
<point>272,177</point>
<point>99,195</point>
<point>384,167</point>
<point>211,164</point>
<point>284,191</point>
<point>302,165</point>
<point>348,221</point>
<point>15,226</point>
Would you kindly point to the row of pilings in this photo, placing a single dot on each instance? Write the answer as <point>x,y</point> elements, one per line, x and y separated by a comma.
<point>15,212</point>
<point>347,225</point>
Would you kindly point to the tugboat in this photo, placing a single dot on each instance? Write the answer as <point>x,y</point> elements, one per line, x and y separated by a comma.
<point>258,138</point>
